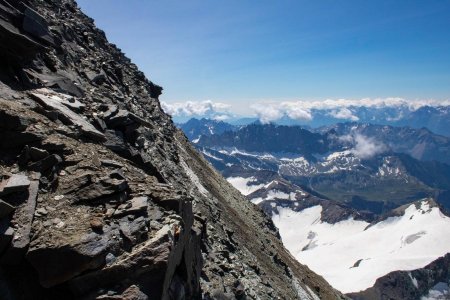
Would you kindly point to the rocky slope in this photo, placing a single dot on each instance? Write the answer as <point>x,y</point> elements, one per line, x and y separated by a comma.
<point>101,196</point>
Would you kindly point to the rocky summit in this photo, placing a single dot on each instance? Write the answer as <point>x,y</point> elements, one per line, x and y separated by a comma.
<point>101,197</point>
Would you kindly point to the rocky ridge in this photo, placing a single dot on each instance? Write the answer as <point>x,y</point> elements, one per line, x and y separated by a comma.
<point>101,196</point>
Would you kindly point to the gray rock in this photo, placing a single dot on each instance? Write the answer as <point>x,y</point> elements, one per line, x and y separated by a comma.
<point>46,163</point>
<point>23,218</point>
<point>5,209</point>
<point>16,183</point>
<point>104,188</point>
<point>61,263</point>
<point>111,163</point>
<point>134,206</point>
<point>54,100</point>
<point>13,122</point>
<point>148,262</point>
<point>112,110</point>
<point>115,142</point>
<point>13,42</point>
<point>36,25</point>
<point>97,78</point>
<point>6,235</point>
<point>37,154</point>
<point>120,118</point>
<point>40,212</point>
<point>132,232</point>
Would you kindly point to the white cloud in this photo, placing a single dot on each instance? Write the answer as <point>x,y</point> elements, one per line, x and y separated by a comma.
<point>194,108</point>
<point>364,147</point>
<point>338,108</point>
<point>275,111</point>
<point>343,113</point>
<point>221,117</point>
<point>267,114</point>
<point>270,111</point>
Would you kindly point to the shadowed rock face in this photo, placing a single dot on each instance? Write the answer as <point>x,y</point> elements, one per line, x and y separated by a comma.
<point>411,284</point>
<point>101,196</point>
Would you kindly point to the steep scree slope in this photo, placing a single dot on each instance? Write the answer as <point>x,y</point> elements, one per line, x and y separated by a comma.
<point>101,196</point>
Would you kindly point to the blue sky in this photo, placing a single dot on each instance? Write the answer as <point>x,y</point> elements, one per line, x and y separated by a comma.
<point>240,52</point>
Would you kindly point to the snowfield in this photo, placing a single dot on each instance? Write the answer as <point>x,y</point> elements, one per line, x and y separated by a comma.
<point>242,184</point>
<point>351,256</point>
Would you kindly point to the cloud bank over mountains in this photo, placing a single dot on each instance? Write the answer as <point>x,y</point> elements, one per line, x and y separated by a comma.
<point>271,111</point>
<point>363,146</point>
<point>207,108</point>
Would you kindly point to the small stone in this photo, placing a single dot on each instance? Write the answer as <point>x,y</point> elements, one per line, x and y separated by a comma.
<point>49,208</point>
<point>58,197</point>
<point>110,259</point>
<point>96,224</point>
<point>109,212</point>
<point>40,212</point>
<point>60,224</point>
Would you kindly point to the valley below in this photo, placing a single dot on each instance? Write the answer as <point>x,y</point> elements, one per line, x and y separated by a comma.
<point>349,201</point>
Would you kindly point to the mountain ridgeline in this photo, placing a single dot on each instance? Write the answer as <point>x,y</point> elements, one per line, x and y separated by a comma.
<point>382,166</point>
<point>101,196</point>
<point>334,190</point>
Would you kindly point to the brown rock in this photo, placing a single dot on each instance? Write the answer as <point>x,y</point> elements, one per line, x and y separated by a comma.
<point>96,224</point>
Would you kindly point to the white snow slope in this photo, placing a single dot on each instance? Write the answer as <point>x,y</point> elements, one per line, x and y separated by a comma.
<point>407,242</point>
<point>244,185</point>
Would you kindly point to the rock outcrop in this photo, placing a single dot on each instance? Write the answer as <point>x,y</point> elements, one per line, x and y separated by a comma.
<point>101,197</point>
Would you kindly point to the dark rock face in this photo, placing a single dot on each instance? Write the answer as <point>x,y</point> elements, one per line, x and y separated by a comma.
<point>410,284</point>
<point>270,138</point>
<point>195,128</point>
<point>101,196</point>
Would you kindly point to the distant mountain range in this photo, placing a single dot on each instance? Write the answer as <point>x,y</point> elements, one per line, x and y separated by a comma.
<point>333,190</point>
<point>369,167</point>
<point>435,118</point>
<point>194,128</point>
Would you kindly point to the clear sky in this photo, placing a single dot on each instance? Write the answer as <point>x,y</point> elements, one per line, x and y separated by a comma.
<point>241,51</point>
